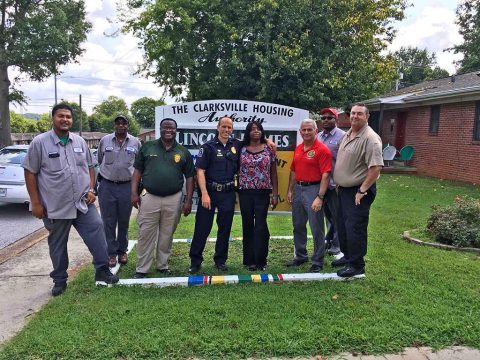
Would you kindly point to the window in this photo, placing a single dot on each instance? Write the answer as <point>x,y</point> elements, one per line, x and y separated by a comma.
<point>434,119</point>
<point>476,122</point>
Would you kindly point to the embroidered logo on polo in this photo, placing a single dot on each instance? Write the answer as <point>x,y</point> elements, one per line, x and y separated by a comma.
<point>177,158</point>
<point>219,153</point>
<point>311,154</point>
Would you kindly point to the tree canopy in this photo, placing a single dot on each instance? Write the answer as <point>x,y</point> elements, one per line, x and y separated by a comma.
<point>303,53</point>
<point>417,65</point>
<point>36,37</point>
<point>143,110</point>
<point>105,112</point>
<point>468,20</point>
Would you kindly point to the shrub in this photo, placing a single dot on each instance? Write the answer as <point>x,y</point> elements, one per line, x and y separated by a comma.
<point>457,224</point>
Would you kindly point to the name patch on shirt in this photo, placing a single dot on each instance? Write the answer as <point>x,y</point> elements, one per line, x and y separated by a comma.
<point>219,153</point>
<point>130,149</point>
<point>77,150</point>
<point>109,148</point>
<point>53,155</point>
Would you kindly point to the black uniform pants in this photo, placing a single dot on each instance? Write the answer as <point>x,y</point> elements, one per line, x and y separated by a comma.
<point>353,223</point>
<point>224,202</point>
<point>254,209</point>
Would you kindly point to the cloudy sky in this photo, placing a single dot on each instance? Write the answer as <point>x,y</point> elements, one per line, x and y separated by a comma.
<point>108,63</point>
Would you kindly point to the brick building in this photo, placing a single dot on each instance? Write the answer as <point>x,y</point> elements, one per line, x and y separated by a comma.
<point>440,119</point>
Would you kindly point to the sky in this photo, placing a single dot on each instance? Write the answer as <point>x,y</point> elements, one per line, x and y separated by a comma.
<point>108,63</point>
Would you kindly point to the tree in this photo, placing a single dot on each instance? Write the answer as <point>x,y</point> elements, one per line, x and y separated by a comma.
<point>44,123</point>
<point>76,116</point>
<point>468,20</point>
<point>143,111</point>
<point>303,53</point>
<point>104,113</point>
<point>19,124</point>
<point>417,65</point>
<point>36,36</point>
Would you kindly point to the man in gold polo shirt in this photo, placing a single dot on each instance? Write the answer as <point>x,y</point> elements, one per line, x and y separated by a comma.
<point>162,165</point>
<point>359,161</point>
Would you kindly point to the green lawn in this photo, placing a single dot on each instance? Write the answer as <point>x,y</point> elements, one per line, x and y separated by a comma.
<point>412,295</point>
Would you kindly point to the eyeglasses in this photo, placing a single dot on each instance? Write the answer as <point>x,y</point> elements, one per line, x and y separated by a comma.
<point>327,117</point>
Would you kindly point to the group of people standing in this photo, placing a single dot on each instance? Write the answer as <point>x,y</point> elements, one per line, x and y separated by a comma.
<point>61,183</point>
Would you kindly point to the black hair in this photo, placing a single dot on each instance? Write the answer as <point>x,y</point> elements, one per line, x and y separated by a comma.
<point>246,138</point>
<point>61,106</point>
<point>168,119</point>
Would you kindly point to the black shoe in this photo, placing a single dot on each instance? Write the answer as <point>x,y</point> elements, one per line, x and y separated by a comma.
<point>139,275</point>
<point>349,271</point>
<point>316,268</point>
<point>194,269</point>
<point>339,262</point>
<point>261,267</point>
<point>221,267</point>
<point>105,275</point>
<point>296,262</point>
<point>59,288</point>
<point>251,267</point>
<point>164,271</point>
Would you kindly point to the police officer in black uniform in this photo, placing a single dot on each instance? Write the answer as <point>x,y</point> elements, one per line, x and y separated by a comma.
<point>217,164</point>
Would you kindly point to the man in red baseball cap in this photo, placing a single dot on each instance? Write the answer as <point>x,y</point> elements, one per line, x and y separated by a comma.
<point>331,136</point>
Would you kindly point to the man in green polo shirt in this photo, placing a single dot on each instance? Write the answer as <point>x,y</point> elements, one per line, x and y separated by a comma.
<point>162,165</point>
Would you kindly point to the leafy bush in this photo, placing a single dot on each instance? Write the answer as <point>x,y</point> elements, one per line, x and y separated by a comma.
<point>457,224</point>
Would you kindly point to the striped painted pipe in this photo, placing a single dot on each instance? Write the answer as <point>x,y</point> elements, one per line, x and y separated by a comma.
<point>196,280</point>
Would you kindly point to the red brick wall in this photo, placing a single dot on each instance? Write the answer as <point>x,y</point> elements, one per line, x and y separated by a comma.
<point>451,153</point>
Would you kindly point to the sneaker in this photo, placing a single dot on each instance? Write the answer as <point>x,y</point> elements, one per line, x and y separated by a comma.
<point>316,268</point>
<point>112,261</point>
<point>105,275</point>
<point>123,258</point>
<point>296,262</point>
<point>339,262</point>
<point>164,271</point>
<point>349,271</point>
<point>194,269</point>
<point>221,267</point>
<point>139,275</point>
<point>59,288</point>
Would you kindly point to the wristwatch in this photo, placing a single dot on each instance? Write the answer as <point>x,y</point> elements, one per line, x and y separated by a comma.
<point>362,192</point>
<point>320,196</point>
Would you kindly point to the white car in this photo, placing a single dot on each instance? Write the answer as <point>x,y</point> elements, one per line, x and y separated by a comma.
<point>12,179</point>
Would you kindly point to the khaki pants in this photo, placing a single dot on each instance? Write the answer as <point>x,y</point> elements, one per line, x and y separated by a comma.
<point>157,219</point>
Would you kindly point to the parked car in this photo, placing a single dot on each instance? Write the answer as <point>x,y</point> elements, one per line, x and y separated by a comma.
<point>12,179</point>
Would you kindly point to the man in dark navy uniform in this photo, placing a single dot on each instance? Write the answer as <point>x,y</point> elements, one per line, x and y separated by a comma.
<point>217,164</point>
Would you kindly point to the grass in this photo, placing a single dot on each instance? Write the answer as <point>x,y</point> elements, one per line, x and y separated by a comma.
<point>412,296</point>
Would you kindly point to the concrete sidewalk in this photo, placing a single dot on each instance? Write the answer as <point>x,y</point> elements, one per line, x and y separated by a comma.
<point>25,287</point>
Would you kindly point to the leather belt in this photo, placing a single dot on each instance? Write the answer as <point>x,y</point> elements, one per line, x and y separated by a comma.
<point>220,187</point>
<point>307,183</point>
<point>116,182</point>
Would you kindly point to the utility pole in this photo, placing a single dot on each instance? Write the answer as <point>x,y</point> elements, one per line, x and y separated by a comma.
<point>55,80</point>
<point>81,120</point>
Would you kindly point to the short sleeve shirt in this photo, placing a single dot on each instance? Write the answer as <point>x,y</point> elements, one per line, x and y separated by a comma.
<point>115,159</point>
<point>310,164</point>
<point>356,155</point>
<point>62,173</point>
<point>163,170</point>
<point>332,140</point>
<point>255,168</point>
<point>219,161</point>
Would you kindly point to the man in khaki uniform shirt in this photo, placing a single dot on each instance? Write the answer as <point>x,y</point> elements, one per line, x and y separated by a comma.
<point>359,161</point>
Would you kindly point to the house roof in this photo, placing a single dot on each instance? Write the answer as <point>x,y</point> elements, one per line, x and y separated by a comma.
<point>454,86</point>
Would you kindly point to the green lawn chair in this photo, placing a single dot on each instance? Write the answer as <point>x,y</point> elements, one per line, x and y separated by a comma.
<point>406,154</point>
